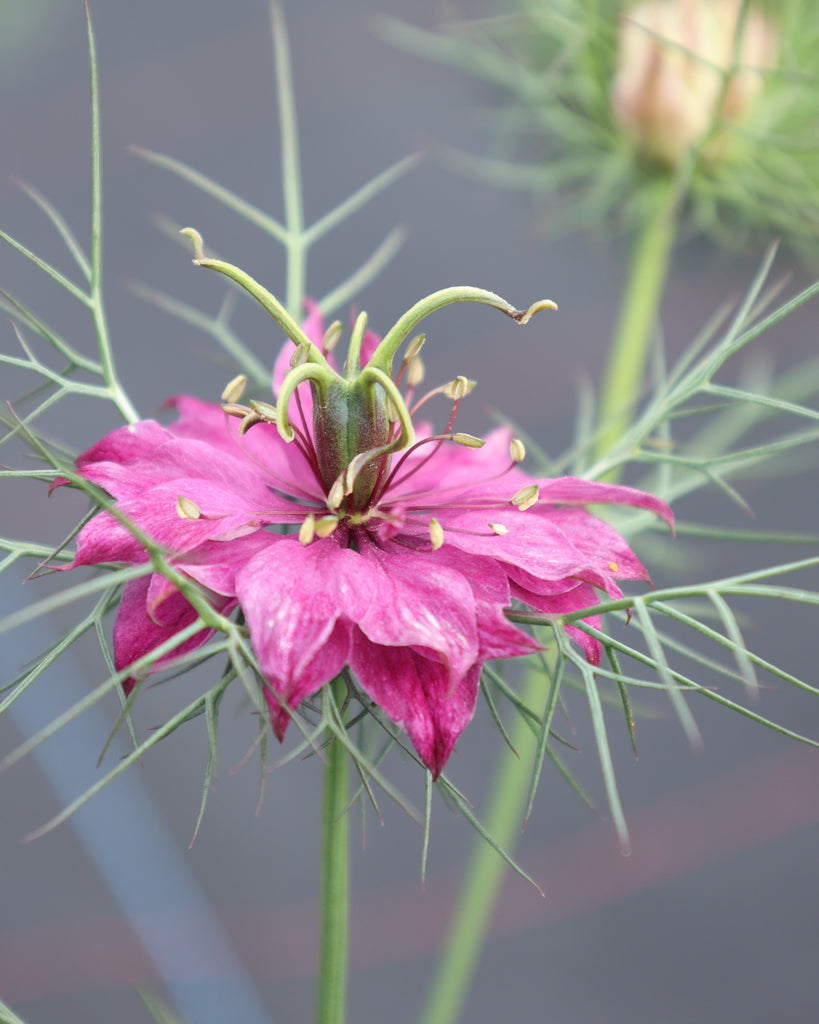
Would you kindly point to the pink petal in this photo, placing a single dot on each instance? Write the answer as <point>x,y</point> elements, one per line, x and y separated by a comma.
<point>422,602</point>
<point>292,596</point>
<point>137,633</point>
<point>415,693</point>
<point>568,490</point>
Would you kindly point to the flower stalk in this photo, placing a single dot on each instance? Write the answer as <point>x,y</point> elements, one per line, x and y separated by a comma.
<point>335,880</point>
<point>637,317</point>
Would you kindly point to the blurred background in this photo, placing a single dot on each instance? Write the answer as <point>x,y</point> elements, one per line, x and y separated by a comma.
<point>713,917</point>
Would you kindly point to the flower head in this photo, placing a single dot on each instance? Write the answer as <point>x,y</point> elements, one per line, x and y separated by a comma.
<point>350,534</point>
<point>686,69</point>
<point>716,98</point>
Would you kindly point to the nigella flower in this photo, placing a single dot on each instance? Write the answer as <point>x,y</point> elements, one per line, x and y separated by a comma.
<point>350,536</point>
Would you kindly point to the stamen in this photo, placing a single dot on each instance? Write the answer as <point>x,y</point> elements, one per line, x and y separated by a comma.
<point>498,528</point>
<point>264,409</point>
<point>232,409</point>
<point>459,388</point>
<point>326,525</point>
<point>415,372</point>
<point>186,509</point>
<point>307,530</point>
<point>526,497</point>
<point>336,494</point>
<point>300,356</point>
<point>517,452</point>
<point>436,534</point>
<point>249,421</point>
<point>234,389</point>
<point>331,337</point>
<point>467,440</point>
<point>411,352</point>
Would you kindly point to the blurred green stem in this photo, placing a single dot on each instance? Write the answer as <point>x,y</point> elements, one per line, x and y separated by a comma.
<point>637,319</point>
<point>487,870</point>
<point>335,882</point>
<point>650,262</point>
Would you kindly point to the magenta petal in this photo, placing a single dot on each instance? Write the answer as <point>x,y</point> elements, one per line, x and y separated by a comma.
<point>422,602</point>
<point>326,664</point>
<point>568,490</point>
<point>136,633</point>
<point>127,444</point>
<point>414,692</point>
<point>292,597</point>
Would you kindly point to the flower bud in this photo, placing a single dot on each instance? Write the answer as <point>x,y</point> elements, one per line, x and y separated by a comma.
<point>673,59</point>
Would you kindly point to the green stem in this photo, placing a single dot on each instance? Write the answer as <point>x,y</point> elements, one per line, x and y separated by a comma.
<point>335,882</point>
<point>291,169</point>
<point>486,871</point>
<point>628,355</point>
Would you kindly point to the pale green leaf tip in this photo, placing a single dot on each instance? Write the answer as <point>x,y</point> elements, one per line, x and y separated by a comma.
<point>523,316</point>
<point>198,244</point>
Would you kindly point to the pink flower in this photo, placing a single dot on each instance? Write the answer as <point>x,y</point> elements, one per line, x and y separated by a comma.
<point>392,551</point>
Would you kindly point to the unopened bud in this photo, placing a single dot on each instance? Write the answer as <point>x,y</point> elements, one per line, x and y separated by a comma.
<point>186,509</point>
<point>516,450</point>
<point>235,389</point>
<point>415,371</point>
<point>436,534</point>
<point>459,387</point>
<point>498,528</point>
<point>331,336</point>
<point>467,440</point>
<point>326,525</point>
<point>307,530</point>
<point>673,59</point>
<point>265,410</point>
<point>526,497</point>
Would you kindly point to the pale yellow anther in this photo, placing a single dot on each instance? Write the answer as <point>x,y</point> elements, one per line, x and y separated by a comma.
<point>336,495</point>
<point>517,450</point>
<point>331,336</point>
<point>497,528</point>
<point>526,497</point>
<point>307,530</point>
<point>326,525</point>
<point>414,347</point>
<point>235,389</point>
<point>467,440</point>
<point>264,409</point>
<point>613,566</point>
<point>459,387</point>
<point>249,421</point>
<point>186,509</point>
<point>415,371</point>
<point>300,356</point>
<point>436,534</point>
<point>232,409</point>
